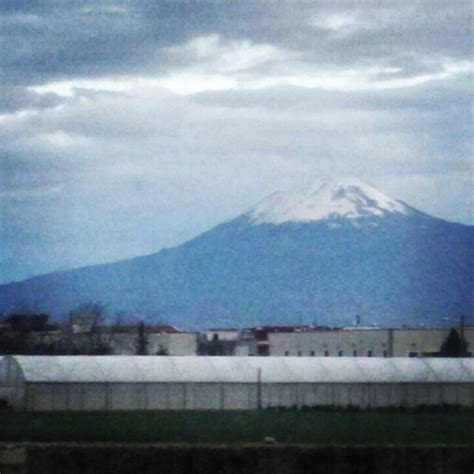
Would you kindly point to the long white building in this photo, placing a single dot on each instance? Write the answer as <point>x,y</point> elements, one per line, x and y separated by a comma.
<point>402,342</point>
<point>229,383</point>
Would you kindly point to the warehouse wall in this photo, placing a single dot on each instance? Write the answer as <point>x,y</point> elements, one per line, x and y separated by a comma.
<point>330,343</point>
<point>231,396</point>
<point>406,341</point>
<point>381,342</point>
<point>178,344</point>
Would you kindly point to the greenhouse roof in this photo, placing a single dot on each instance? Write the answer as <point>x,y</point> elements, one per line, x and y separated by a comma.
<point>140,369</point>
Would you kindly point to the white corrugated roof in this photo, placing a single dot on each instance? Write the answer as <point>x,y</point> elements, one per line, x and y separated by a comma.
<point>242,369</point>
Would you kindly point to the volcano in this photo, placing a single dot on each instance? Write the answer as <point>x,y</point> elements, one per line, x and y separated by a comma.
<point>320,255</point>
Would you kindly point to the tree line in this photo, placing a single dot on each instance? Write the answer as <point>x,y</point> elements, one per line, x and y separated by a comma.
<point>85,332</point>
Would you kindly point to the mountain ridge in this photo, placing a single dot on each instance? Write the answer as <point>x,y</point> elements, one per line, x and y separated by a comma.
<point>393,268</point>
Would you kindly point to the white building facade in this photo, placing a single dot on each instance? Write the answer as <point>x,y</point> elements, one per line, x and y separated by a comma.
<point>363,342</point>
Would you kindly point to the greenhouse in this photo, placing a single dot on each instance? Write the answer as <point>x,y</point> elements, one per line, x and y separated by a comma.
<point>230,383</point>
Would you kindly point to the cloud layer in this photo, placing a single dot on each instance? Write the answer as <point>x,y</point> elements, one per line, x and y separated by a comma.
<point>129,126</point>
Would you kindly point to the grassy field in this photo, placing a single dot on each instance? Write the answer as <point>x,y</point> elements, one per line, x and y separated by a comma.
<point>245,426</point>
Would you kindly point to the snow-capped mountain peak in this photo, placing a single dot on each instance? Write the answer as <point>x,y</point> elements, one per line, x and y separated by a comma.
<point>347,198</point>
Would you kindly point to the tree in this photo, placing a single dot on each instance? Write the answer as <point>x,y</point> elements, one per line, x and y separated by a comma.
<point>87,320</point>
<point>142,340</point>
<point>13,343</point>
<point>89,314</point>
<point>25,323</point>
<point>21,335</point>
<point>162,350</point>
<point>454,345</point>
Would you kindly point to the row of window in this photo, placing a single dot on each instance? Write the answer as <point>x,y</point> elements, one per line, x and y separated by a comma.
<point>339,354</point>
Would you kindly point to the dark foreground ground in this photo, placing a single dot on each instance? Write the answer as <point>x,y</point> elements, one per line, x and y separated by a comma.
<point>447,427</point>
<point>239,458</point>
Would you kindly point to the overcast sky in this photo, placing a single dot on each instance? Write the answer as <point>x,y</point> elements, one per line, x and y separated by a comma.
<point>128,126</point>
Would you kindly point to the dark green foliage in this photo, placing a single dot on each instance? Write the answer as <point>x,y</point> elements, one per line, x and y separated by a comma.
<point>13,343</point>
<point>292,426</point>
<point>28,322</point>
<point>100,347</point>
<point>162,351</point>
<point>454,345</point>
<point>142,340</point>
<point>91,315</point>
<point>15,339</point>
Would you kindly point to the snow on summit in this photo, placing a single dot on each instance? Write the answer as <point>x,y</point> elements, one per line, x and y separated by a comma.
<point>345,197</point>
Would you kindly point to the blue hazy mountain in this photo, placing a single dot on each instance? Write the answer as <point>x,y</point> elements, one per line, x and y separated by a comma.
<point>323,255</point>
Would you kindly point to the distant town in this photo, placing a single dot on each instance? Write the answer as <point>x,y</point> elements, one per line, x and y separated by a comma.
<point>86,333</point>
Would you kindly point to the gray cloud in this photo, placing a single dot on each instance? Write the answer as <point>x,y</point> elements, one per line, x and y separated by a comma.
<point>18,98</point>
<point>51,39</point>
<point>144,123</point>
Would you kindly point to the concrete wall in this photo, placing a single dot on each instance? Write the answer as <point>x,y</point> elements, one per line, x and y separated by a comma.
<point>177,344</point>
<point>406,341</point>
<point>233,396</point>
<point>345,343</point>
<point>358,343</point>
<point>381,342</point>
<point>181,344</point>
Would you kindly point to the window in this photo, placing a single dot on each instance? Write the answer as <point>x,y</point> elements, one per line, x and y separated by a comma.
<point>369,353</point>
<point>313,353</point>
<point>215,337</point>
<point>340,353</point>
<point>287,353</point>
<point>354,353</point>
<point>326,353</point>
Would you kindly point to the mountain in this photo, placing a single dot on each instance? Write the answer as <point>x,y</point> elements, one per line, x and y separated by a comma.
<point>323,255</point>
<point>349,198</point>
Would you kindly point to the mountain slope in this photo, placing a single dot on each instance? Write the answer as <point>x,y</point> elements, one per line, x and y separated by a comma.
<point>324,255</point>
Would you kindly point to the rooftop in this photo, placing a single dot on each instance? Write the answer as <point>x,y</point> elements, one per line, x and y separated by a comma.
<point>71,369</point>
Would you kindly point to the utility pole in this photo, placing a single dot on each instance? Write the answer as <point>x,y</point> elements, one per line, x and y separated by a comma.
<point>461,333</point>
<point>390,342</point>
<point>259,389</point>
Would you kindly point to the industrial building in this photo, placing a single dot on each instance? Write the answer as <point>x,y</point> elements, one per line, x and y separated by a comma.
<point>363,342</point>
<point>119,340</point>
<point>188,382</point>
<point>356,341</point>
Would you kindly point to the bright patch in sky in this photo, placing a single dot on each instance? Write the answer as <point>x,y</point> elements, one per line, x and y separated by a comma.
<point>337,22</point>
<point>145,123</point>
<point>215,66</point>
